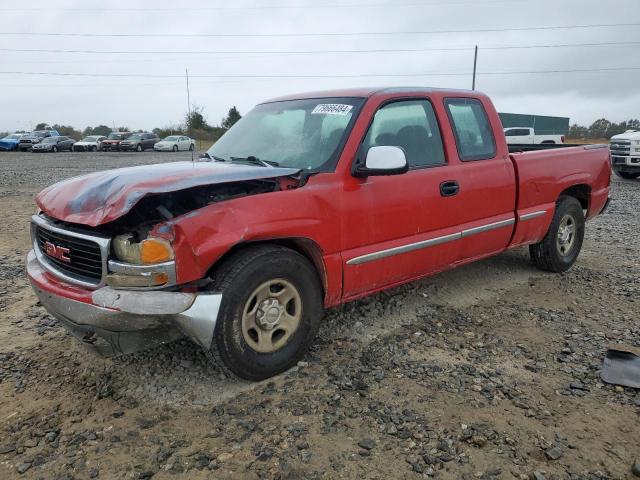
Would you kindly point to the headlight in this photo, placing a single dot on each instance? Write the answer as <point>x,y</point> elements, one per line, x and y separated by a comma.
<point>148,251</point>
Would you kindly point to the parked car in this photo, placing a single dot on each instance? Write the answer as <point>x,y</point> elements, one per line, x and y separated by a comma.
<point>10,142</point>
<point>30,139</point>
<point>92,143</point>
<point>54,144</point>
<point>308,201</point>
<point>175,143</point>
<point>139,141</point>
<point>625,154</point>
<point>528,136</point>
<point>113,141</point>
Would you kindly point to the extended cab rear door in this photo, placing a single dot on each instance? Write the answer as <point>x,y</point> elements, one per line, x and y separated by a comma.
<point>485,174</point>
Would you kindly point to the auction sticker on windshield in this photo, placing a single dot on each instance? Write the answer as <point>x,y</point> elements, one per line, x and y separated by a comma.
<point>332,109</point>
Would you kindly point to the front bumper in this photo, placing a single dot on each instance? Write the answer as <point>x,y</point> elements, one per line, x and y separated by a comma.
<point>113,322</point>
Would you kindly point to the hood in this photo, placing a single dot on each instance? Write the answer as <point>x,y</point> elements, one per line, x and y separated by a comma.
<point>102,197</point>
<point>627,136</point>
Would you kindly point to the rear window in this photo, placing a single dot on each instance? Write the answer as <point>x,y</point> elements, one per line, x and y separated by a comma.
<point>474,136</point>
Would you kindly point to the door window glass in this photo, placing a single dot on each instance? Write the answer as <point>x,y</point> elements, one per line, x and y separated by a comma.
<point>412,126</point>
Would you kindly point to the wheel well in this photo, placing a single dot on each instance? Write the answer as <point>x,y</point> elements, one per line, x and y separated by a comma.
<point>305,247</point>
<point>581,192</point>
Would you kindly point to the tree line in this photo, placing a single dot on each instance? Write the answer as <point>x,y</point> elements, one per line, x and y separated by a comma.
<point>195,125</point>
<point>602,128</point>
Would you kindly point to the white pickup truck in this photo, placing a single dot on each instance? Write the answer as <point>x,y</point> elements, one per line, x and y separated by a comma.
<point>528,136</point>
<point>625,154</point>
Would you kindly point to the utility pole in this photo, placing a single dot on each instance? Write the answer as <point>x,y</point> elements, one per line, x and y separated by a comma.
<point>186,71</point>
<point>475,66</point>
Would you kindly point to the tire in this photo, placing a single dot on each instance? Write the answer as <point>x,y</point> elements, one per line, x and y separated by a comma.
<point>54,149</point>
<point>175,148</point>
<point>627,175</point>
<point>235,345</point>
<point>191,147</point>
<point>139,148</point>
<point>559,250</point>
<point>93,148</point>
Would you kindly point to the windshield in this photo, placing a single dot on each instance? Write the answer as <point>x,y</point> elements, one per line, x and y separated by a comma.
<point>134,137</point>
<point>49,140</point>
<point>12,137</point>
<point>172,138</point>
<point>90,139</point>
<point>301,134</point>
<point>39,133</point>
<point>116,136</point>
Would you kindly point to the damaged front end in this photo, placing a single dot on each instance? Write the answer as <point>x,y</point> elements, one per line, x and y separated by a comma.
<point>103,260</point>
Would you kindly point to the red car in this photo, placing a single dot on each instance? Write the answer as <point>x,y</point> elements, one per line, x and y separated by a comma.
<point>308,202</point>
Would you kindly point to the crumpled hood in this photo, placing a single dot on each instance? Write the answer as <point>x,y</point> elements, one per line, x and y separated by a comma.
<point>102,197</point>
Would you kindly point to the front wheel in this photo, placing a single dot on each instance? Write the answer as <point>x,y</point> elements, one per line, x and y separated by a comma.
<point>139,148</point>
<point>627,175</point>
<point>54,149</point>
<point>175,148</point>
<point>559,249</point>
<point>270,312</point>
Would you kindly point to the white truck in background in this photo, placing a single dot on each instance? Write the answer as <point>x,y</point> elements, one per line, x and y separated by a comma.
<point>528,136</point>
<point>625,154</point>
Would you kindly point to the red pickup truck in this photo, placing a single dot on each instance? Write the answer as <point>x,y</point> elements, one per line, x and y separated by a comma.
<point>308,202</point>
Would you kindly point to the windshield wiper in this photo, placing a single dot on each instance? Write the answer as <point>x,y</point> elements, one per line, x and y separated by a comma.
<point>256,161</point>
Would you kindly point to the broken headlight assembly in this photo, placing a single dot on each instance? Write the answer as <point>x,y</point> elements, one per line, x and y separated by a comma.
<point>145,264</point>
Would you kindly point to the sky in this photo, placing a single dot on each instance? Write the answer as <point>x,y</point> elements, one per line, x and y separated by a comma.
<point>124,62</point>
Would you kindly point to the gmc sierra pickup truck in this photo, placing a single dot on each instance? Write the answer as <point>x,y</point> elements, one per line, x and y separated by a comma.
<point>308,202</point>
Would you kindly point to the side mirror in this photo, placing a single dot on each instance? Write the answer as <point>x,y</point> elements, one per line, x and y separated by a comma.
<point>204,157</point>
<point>383,160</point>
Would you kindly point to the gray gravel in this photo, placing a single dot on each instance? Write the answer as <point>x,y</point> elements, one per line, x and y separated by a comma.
<point>489,371</point>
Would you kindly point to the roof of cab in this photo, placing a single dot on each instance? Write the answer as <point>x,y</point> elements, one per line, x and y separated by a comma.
<point>366,92</point>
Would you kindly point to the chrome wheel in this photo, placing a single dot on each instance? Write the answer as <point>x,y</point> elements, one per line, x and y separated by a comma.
<point>271,315</point>
<point>566,235</point>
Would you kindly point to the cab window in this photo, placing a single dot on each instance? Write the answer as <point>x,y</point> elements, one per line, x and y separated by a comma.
<point>471,127</point>
<point>412,126</point>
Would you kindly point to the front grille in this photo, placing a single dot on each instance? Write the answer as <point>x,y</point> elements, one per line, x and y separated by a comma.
<point>620,147</point>
<point>85,256</point>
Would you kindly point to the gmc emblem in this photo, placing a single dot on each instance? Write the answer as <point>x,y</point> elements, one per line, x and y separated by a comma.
<point>61,253</point>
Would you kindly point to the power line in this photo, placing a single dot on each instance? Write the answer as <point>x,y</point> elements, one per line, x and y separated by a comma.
<point>318,34</point>
<point>156,10</point>
<point>308,52</point>
<point>358,75</point>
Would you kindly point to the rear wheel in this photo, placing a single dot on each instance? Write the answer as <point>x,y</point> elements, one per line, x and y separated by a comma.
<point>627,175</point>
<point>191,147</point>
<point>559,249</point>
<point>270,312</point>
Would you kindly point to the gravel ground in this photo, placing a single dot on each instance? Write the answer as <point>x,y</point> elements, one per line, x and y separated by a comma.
<point>488,371</point>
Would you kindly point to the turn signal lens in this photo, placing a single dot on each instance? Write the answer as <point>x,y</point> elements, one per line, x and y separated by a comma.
<point>155,250</point>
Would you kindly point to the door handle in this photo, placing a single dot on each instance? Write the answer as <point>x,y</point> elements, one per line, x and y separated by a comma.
<point>449,188</point>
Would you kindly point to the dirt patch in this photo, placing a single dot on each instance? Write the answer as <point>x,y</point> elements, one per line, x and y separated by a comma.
<point>488,371</point>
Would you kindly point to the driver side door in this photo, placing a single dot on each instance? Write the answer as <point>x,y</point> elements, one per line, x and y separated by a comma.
<point>400,227</point>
